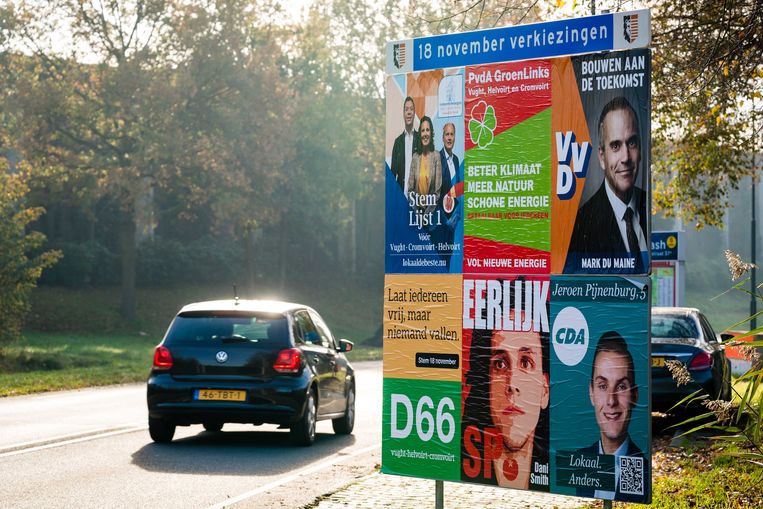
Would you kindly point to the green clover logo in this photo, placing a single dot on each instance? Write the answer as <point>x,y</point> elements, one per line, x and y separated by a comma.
<point>482,124</point>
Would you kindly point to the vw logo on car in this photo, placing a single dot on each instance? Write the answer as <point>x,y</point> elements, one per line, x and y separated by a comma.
<point>221,356</point>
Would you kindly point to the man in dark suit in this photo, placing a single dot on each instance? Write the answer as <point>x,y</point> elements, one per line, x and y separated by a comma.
<point>612,223</point>
<point>448,159</point>
<point>402,150</point>
<point>448,207</point>
<point>614,393</point>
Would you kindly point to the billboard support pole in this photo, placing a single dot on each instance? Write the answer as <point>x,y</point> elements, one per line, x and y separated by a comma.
<point>753,235</point>
<point>753,282</point>
<point>607,504</point>
<point>438,495</point>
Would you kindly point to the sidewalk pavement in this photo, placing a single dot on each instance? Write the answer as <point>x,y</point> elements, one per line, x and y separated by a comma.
<point>395,492</point>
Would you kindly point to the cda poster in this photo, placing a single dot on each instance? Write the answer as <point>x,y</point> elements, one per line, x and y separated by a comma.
<point>600,368</point>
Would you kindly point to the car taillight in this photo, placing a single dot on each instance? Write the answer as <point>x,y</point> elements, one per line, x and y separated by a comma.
<point>162,358</point>
<point>702,360</point>
<point>288,361</point>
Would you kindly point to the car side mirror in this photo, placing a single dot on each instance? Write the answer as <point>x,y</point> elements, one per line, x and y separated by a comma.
<point>725,336</point>
<point>346,346</point>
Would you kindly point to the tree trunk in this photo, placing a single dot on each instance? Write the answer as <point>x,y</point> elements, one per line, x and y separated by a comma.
<point>127,246</point>
<point>50,220</point>
<point>282,252</point>
<point>250,258</point>
<point>353,239</point>
<point>340,251</point>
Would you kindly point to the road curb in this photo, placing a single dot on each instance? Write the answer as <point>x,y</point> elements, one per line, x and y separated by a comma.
<point>378,490</point>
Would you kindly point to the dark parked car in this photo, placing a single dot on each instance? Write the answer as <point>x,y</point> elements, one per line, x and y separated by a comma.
<point>250,362</point>
<point>685,334</point>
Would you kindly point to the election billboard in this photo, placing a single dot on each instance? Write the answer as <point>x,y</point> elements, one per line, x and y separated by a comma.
<point>517,296</point>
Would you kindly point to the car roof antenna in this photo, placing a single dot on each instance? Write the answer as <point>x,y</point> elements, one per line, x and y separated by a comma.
<point>235,295</point>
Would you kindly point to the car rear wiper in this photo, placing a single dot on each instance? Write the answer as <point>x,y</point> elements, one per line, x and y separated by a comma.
<point>235,338</point>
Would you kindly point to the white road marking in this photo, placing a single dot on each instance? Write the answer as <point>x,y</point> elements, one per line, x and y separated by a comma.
<point>95,436</point>
<point>332,460</point>
<point>58,438</point>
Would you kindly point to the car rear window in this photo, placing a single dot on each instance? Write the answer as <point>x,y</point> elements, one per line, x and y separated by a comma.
<point>264,330</point>
<point>669,326</point>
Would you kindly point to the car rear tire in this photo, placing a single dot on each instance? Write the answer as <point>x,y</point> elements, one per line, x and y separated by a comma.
<point>345,424</point>
<point>213,426</point>
<point>161,430</point>
<point>303,432</point>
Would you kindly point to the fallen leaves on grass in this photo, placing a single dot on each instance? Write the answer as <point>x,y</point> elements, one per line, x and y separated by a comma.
<point>729,482</point>
<point>668,461</point>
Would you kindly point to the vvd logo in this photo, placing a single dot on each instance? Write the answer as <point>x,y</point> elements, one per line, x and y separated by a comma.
<point>569,335</point>
<point>572,159</point>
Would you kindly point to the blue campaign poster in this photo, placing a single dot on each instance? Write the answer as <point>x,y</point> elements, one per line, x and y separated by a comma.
<point>424,227</point>
<point>600,368</point>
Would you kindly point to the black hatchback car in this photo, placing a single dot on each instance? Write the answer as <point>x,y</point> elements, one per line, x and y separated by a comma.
<point>685,335</point>
<point>247,361</point>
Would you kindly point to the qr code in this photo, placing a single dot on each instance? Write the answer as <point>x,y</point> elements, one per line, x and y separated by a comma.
<point>631,475</point>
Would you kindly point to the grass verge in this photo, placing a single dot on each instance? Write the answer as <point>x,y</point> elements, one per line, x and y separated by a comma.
<point>704,474</point>
<point>740,389</point>
<point>60,361</point>
<point>57,361</point>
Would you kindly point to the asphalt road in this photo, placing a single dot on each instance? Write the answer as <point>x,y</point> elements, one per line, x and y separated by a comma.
<point>91,448</point>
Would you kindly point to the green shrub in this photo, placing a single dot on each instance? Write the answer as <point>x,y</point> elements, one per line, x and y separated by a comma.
<point>19,268</point>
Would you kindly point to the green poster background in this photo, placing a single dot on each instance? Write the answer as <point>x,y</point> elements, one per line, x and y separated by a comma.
<point>431,445</point>
<point>518,145</point>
